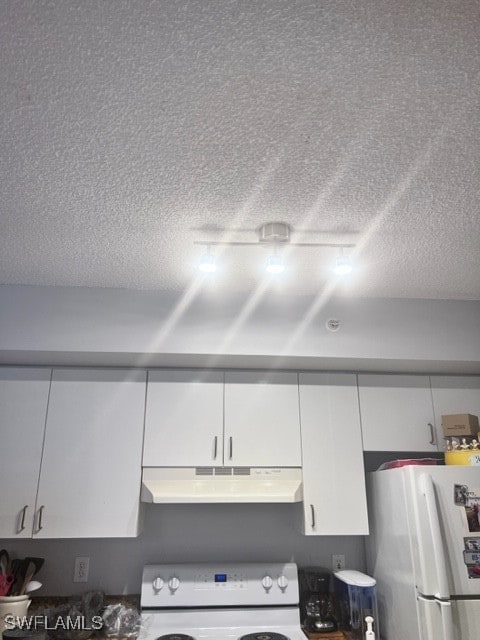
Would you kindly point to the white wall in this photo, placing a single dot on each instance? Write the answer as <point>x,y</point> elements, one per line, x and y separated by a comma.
<point>183,533</point>
<point>60,325</point>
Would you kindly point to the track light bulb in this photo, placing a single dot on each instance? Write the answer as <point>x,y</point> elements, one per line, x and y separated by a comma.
<point>274,264</point>
<point>343,266</point>
<point>207,263</point>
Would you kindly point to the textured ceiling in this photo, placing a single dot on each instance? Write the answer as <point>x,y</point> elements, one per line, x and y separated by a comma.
<point>131,129</point>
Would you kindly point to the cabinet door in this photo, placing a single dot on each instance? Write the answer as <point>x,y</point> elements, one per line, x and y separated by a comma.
<point>334,494</point>
<point>262,425</point>
<point>396,413</point>
<point>91,466</point>
<point>454,394</point>
<point>23,408</point>
<point>184,419</point>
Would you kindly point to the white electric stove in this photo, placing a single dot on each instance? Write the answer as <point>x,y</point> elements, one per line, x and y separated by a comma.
<point>227,601</point>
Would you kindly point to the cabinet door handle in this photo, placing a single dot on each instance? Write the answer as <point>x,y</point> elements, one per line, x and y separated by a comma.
<point>230,447</point>
<point>22,521</point>
<point>433,440</point>
<point>40,515</point>
<point>312,509</point>
<point>215,443</point>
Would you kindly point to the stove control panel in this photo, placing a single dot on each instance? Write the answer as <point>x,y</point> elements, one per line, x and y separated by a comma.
<point>206,580</point>
<point>222,585</point>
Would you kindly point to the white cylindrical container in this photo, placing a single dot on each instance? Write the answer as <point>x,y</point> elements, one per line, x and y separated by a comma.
<point>12,608</point>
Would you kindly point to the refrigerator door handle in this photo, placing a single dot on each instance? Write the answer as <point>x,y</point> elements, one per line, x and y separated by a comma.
<point>428,491</point>
<point>447,620</point>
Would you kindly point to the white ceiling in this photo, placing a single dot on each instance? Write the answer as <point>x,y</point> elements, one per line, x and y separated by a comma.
<point>131,129</point>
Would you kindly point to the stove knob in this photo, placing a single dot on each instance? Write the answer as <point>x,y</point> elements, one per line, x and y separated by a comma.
<point>173,583</point>
<point>157,583</point>
<point>282,582</point>
<point>267,583</point>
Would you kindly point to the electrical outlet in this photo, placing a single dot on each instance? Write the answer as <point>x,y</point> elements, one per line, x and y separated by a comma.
<point>338,562</point>
<point>80,571</point>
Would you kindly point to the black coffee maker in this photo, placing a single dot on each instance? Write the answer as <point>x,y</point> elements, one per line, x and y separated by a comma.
<point>316,603</point>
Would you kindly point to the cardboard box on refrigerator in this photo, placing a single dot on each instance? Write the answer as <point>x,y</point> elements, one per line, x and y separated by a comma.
<point>460,424</point>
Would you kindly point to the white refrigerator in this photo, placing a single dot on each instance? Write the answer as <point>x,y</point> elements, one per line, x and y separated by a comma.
<point>424,551</point>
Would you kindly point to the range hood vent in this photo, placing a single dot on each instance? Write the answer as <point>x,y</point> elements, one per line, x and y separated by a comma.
<point>221,484</point>
<point>223,471</point>
<point>204,471</point>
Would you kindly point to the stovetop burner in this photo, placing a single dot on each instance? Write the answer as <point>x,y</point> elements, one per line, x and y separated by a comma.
<point>264,635</point>
<point>175,636</point>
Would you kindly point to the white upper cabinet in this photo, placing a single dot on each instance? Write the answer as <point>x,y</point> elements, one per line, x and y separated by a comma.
<point>23,408</point>
<point>91,467</point>
<point>184,419</point>
<point>208,418</point>
<point>334,495</point>
<point>397,413</point>
<point>262,425</point>
<point>454,394</point>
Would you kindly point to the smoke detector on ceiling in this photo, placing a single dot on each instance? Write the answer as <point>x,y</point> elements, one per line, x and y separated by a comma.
<point>333,325</point>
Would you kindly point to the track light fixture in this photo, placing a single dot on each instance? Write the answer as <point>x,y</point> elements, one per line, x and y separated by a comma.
<point>274,234</point>
<point>343,265</point>
<point>207,262</point>
<point>274,264</point>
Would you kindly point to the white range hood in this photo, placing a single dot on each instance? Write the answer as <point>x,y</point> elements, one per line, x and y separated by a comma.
<point>162,485</point>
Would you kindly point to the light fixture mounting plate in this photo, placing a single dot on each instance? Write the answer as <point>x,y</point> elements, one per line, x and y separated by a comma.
<point>274,232</point>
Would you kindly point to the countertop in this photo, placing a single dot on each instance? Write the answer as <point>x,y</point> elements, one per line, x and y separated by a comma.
<point>49,610</point>
<point>44,602</point>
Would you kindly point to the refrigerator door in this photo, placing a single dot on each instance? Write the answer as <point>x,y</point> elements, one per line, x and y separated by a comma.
<point>445,536</point>
<point>454,620</point>
<point>389,555</point>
